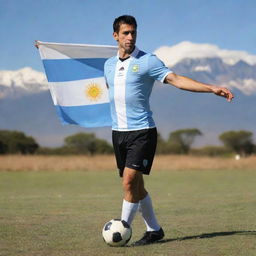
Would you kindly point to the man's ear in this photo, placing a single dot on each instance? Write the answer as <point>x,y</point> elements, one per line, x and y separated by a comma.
<point>115,35</point>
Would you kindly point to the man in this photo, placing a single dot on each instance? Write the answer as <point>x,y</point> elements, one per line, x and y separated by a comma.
<point>130,77</point>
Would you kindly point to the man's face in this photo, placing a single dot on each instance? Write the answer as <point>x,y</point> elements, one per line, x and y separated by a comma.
<point>126,37</point>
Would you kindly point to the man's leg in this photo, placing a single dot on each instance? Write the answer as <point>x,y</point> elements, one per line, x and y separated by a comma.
<point>133,185</point>
<point>135,195</point>
<point>147,212</point>
<point>134,191</point>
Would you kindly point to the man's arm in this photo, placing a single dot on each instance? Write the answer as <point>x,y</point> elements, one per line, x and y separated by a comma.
<point>189,84</point>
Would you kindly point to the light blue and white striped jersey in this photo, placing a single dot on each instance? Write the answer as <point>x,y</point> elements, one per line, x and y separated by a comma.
<point>130,84</point>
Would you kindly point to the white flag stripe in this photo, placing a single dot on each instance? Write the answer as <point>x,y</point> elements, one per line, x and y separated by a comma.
<point>80,92</point>
<point>75,51</point>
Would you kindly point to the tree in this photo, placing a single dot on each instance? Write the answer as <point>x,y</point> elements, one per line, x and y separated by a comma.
<point>3,147</point>
<point>211,151</point>
<point>86,143</point>
<point>83,143</point>
<point>239,141</point>
<point>102,147</point>
<point>161,145</point>
<point>180,141</point>
<point>17,142</point>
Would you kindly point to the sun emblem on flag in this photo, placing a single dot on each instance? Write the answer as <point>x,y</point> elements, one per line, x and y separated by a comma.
<point>93,91</point>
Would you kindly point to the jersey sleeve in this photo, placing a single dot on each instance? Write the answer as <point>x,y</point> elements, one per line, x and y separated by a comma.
<point>156,68</point>
<point>105,67</point>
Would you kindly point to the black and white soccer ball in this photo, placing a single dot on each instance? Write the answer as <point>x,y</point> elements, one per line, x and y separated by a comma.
<point>116,232</point>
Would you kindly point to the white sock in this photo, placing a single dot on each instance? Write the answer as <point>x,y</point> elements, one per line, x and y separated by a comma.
<point>148,214</point>
<point>128,211</point>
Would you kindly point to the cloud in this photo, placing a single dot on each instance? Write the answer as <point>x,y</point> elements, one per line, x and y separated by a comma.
<point>247,86</point>
<point>171,55</point>
<point>25,78</point>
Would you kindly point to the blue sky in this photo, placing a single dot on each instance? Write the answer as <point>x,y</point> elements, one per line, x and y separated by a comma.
<point>230,24</point>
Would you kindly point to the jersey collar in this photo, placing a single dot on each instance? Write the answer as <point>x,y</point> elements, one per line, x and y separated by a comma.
<point>134,53</point>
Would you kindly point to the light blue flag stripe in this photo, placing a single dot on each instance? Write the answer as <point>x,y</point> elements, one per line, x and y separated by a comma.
<point>86,116</point>
<point>61,70</point>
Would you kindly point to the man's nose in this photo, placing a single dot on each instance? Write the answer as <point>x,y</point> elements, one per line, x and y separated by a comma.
<point>130,36</point>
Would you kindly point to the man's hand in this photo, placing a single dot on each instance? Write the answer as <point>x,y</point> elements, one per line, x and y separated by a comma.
<point>223,92</point>
<point>36,44</point>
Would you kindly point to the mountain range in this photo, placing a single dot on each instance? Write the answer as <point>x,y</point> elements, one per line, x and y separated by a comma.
<point>26,104</point>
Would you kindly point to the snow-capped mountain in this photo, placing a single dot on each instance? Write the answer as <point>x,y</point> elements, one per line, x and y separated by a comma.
<point>26,105</point>
<point>214,71</point>
<point>22,81</point>
<point>210,64</point>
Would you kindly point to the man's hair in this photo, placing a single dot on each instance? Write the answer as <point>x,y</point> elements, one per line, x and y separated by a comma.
<point>124,19</point>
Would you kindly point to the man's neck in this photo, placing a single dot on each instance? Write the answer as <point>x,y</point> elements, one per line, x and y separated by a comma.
<point>123,54</point>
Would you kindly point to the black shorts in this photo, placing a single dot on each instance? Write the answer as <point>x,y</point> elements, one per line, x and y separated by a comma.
<point>135,149</point>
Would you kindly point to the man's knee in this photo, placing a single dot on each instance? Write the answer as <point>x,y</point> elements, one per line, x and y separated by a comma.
<point>131,179</point>
<point>129,183</point>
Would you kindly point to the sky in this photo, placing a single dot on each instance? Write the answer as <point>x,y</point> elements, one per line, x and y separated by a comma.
<point>230,24</point>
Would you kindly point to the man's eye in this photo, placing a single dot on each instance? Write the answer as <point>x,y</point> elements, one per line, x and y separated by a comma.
<point>128,32</point>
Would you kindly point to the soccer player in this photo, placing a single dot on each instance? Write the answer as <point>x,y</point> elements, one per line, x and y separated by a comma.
<point>130,77</point>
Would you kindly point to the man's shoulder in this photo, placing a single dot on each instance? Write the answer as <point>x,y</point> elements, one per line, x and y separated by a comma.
<point>111,60</point>
<point>145,55</point>
<point>109,64</point>
<point>152,59</point>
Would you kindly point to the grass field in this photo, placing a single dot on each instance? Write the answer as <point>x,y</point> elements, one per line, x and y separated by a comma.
<point>55,213</point>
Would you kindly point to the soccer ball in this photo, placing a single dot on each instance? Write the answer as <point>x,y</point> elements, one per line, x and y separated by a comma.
<point>116,232</point>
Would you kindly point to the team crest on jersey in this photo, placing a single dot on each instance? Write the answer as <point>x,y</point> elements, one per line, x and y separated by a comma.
<point>93,91</point>
<point>145,162</point>
<point>135,68</point>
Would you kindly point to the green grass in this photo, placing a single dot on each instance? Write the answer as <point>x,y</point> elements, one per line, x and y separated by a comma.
<point>62,213</point>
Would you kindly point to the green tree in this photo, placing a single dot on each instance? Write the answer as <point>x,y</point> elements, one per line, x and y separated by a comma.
<point>103,147</point>
<point>240,142</point>
<point>17,142</point>
<point>87,143</point>
<point>161,145</point>
<point>211,151</point>
<point>180,141</point>
<point>3,147</point>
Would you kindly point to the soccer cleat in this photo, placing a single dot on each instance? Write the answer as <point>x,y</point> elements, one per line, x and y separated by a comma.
<point>150,237</point>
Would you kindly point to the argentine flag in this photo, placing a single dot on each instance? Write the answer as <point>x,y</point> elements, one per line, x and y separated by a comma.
<point>76,81</point>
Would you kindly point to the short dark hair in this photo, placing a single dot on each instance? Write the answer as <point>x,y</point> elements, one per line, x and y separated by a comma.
<point>124,19</point>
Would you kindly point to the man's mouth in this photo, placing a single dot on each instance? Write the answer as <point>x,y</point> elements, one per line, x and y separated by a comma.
<point>129,44</point>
